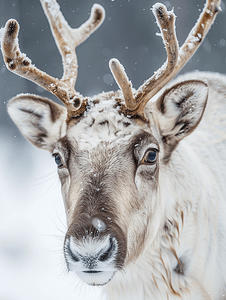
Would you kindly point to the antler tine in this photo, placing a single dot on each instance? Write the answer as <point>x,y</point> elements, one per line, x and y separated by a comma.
<point>134,104</point>
<point>67,39</point>
<point>166,22</point>
<point>197,34</point>
<point>193,41</point>
<point>18,62</point>
<point>121,78</point>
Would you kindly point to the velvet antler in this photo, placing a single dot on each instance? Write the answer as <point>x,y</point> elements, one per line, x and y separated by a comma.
<point>176,58</point>
<point>67,39</point>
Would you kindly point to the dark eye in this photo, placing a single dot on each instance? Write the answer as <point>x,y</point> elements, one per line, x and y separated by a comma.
<point>58,160</point>
<point>150,157</point>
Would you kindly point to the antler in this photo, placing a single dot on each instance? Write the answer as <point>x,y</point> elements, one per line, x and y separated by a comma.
<point>176,58</point>
<point>67,39</point>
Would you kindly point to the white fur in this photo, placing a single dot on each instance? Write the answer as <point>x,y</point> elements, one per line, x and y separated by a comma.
<point>189,200</point>
<point>194,181</point>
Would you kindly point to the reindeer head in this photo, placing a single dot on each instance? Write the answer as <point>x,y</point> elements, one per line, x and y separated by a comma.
<point>109,149</point>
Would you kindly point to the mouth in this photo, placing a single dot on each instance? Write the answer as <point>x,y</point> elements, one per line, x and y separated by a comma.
<point>96,278</point>
<point>92,272</point>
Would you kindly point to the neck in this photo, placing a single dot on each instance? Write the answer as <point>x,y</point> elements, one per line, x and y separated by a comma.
<point>165,264</point>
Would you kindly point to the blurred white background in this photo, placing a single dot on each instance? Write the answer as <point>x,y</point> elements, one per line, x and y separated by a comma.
<point>32,219</point>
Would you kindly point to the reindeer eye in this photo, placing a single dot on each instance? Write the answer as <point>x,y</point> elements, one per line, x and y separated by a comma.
<point>150,156</point>
<point>58,160</point>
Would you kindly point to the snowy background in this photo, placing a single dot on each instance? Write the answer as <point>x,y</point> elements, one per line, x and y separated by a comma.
<point>32,221</point>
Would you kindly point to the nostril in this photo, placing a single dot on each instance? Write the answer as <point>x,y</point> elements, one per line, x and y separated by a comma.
<point>72,254</point>
<point>74,257</point>
<point>107,254</point>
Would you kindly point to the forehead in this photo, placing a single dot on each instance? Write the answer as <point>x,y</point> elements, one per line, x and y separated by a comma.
<point>103,122</point>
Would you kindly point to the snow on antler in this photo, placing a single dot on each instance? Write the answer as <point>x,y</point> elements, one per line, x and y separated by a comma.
<point>134,104</point>
<point>176,58</point>
<point>67,40</point>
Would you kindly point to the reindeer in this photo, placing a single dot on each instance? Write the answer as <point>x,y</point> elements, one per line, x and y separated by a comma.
<point>142,171</point>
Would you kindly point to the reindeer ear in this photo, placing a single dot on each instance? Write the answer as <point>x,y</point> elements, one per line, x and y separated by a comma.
<point>180,109</point>
<point>39,119</point>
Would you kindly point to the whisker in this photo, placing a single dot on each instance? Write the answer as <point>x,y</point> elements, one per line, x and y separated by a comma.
<point>44,181</point>
<point>44,176</point>
<point>49,188</point>
<point>62,223</point>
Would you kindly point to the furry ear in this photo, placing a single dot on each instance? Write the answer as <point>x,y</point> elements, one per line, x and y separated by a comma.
<point>179,111</point>
<point>39,119</point>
